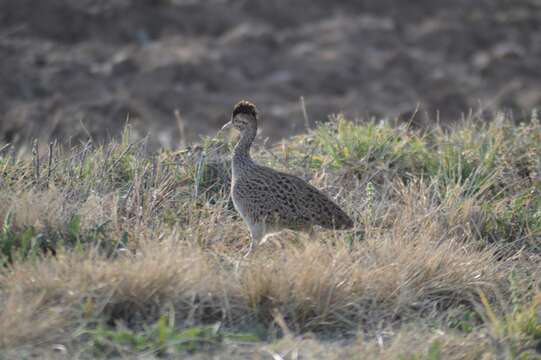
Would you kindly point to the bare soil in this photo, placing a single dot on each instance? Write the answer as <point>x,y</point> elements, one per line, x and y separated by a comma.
<point>70,68</point>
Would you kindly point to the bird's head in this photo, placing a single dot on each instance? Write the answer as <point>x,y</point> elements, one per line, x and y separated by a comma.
<point>244,116</point>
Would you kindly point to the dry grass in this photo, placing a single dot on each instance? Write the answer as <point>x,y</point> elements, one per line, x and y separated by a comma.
<point>315,286</point>
<point>133,244</point>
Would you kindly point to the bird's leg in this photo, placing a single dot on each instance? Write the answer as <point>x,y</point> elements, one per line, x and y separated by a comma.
<point>311,232</point>
<point>251,247</point>
<point>256,234</point>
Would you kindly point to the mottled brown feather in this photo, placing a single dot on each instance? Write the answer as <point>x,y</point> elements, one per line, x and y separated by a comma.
<point>270,201</point>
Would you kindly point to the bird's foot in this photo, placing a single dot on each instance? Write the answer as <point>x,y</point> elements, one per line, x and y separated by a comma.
<point>249,249</point>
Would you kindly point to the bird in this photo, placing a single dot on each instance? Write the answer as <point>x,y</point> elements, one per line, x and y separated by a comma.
<point>268,200</point>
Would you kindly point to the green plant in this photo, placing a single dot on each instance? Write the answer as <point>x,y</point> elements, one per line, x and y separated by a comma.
<point>518,329</point>
<point>164,338</point>
<point>433,353</point>
<point>17,245</point>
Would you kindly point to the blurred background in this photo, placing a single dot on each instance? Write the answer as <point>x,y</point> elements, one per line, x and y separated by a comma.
<point>74,68</point>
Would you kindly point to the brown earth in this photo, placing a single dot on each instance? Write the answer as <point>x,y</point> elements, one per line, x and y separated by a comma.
<point>73,67</point>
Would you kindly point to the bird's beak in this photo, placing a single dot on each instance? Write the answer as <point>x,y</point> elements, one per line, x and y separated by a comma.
<point>226,126</point>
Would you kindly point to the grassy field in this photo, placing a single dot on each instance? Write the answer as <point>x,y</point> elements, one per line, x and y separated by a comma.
<point>108,250</point>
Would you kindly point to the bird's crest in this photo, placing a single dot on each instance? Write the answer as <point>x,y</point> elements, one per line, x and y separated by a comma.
<point>245,107</point>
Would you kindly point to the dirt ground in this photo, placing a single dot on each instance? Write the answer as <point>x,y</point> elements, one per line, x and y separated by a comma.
<point>70,68</point>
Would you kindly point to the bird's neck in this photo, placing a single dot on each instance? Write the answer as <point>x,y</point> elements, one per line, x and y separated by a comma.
<point>242,149</point>
<point>241,153</point>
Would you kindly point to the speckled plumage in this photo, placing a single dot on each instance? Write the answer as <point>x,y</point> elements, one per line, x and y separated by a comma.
<point>270,201</point>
